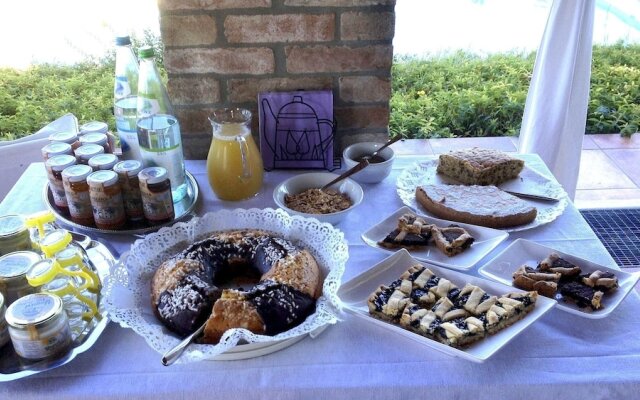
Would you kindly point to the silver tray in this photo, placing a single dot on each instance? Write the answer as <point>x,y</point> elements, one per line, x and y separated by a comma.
<point>13,367</point>
<point>182,209</point>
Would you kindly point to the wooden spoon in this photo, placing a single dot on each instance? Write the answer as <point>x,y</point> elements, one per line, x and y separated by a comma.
<point>359,166</point>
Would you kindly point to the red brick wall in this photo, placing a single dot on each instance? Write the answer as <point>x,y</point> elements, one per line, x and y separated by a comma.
<point>222,53</point>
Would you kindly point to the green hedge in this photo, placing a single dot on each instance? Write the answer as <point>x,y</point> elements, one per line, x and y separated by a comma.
<point>463,95</point>
<point>448,96</point>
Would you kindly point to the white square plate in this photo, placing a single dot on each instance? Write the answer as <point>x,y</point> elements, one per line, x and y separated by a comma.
<point>354,295</point>
<point>486,239</point>
<point>522,251</point>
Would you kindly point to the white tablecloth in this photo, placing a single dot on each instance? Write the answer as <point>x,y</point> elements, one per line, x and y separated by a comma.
<point>560,356</point>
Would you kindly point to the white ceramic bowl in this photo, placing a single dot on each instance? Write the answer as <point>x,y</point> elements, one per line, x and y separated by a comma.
<point>374,172</point>
<point>302,182</point>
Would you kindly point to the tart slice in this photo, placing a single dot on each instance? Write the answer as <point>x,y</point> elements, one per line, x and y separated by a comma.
<point>412,232</point>
<point>452,240</point>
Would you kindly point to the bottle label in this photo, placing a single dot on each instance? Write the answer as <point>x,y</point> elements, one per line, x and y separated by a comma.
<point>43,347</point>
<point>158,206</point>
<point>79,202</point>
<point>122,87</point>
<point>147,107</point>
<point>57,190</point>
<point>107,205</point>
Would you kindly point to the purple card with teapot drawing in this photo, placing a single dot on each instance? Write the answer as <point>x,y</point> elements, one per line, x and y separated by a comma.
<point>297,130</point>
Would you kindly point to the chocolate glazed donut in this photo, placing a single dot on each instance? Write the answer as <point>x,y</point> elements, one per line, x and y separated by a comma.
<point>185,290</point>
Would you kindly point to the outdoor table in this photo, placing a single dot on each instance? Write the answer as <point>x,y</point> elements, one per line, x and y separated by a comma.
<point>559,356</point>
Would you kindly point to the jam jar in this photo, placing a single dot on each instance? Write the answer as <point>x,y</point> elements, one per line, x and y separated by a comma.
<point>38,326</point>
<point>13,274</point>
<point>106,200</point>
<point>77,191</point>
<point>56,149</point>
<point>157,202</point>
<point>86,151</point>
<point>96,138</point>
<point>14,234</point>
<point>94,127</point>
<point>4,332</point>
<point>103,162</point>
<point>71,138</point>
<point>54,166</point>
<point>128,177</point>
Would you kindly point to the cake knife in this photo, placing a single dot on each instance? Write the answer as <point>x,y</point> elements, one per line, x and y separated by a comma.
<point>532,196</point>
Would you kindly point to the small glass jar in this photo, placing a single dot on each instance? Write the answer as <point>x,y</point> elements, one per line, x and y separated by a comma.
<point>106,200</point>
<point>54,166</point>
<point>77,192</point>
<point>13,274</point>
<point>129,183</point>
<point>38,326</point>
<point>86,151</point>
<point>96,138</point>
<point>103,162</point>
<point>71,138</point>
<point>4,331</point>
<point>14,234</point>
<point>155,189</point>
<point>56,149</point>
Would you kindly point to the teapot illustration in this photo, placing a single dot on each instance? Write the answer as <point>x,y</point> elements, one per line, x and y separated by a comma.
<point>296,136</point>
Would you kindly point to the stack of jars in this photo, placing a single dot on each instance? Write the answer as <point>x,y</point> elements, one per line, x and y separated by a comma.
<point>47,297</point>
<point>95,189</point>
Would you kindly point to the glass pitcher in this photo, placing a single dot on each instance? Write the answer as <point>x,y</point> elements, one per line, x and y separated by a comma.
<point>234,164</point>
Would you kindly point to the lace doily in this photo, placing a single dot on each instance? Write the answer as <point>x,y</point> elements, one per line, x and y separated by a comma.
<point>424,173</point>
<point>127,292</point>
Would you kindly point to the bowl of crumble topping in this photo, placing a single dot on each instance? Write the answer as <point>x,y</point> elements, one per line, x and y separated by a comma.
<point>301,195</point>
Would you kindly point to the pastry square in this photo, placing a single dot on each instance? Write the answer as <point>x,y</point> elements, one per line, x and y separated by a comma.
<point>478,166</point>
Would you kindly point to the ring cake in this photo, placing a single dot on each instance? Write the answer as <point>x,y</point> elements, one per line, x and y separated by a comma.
<point>186,290</point>
<point>477,205</point>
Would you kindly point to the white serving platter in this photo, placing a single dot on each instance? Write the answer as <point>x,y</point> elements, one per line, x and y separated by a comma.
<point>486,239</point>
<point>354,295</point>
<point>529,181</point>
<point>522,251</point>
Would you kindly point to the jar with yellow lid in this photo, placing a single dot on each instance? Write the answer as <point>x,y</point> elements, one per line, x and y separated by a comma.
<point>77,191</point>
<point>106,200</point>
<point>56,149</point>
<point>13,271</point>
<point>71,286</point>
<point>4,331</point>
<point>58,245</point>
<point>14,234</point>
<point>40,223</point>
<point>39,327</point>
<point>86,151</point>
<point>55,166</point>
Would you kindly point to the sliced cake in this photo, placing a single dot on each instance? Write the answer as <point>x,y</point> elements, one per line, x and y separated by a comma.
<point>478,166</point>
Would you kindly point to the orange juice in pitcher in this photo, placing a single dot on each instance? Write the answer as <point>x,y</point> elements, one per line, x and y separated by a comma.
<point>234,163</point>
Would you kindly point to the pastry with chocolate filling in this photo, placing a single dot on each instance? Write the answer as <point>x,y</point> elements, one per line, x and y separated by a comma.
<point>434,307</point>
<point>189,288</point>
<point>452,240</point>
<point>412,232</point>
<point>583,295</point>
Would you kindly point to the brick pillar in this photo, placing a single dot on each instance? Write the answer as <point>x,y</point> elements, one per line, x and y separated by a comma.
<point>222,53</point>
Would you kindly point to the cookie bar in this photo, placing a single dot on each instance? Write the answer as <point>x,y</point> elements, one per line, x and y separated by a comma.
<point>412,232</point>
